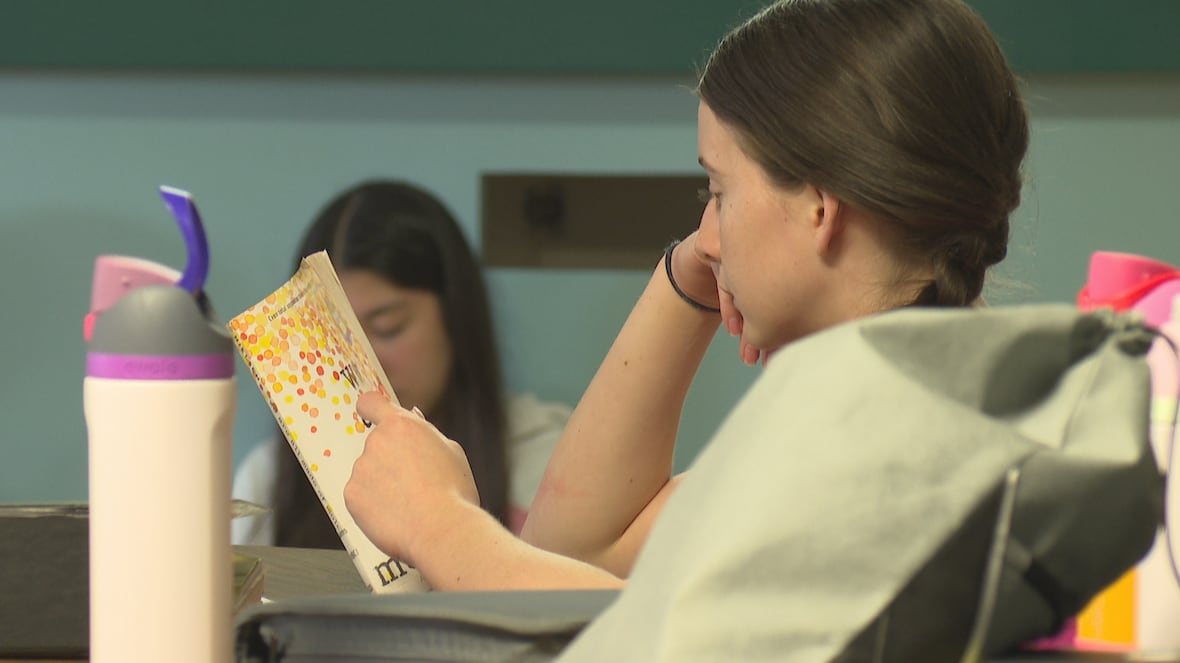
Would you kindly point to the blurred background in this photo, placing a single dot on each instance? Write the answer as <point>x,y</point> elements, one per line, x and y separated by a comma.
<point>265,111</point>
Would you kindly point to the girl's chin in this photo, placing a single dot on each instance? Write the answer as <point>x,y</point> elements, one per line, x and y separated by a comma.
<point>765,346</point>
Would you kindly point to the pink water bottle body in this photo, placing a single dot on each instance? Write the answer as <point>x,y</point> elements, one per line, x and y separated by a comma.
<point>160,567</point>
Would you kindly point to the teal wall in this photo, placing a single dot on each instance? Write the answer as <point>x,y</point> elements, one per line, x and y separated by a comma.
<point>81,155</point>
<point>517,36</point>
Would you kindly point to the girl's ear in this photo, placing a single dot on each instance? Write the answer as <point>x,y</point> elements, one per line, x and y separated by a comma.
<point>827,222</point>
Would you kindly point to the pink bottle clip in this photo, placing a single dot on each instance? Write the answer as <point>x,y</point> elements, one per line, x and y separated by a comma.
<point>115,276</point>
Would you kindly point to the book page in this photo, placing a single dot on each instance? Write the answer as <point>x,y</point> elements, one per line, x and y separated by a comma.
<point>311,359</point>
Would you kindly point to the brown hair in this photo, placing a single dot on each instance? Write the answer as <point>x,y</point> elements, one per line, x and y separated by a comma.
<point>408,237</point>
<point>906,109</point>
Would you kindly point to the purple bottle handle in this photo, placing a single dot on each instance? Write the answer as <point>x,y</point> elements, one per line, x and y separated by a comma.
<point>184,210</point>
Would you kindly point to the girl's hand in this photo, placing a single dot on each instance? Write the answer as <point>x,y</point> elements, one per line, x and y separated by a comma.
<point>407,481</point>
<point>696,274</point>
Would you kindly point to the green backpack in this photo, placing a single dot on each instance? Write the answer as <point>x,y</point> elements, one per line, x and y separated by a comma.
<point>850,506</point>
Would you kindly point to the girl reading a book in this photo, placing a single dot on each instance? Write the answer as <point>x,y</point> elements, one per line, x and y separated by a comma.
<point>862,156</point>
<point>418,291</point>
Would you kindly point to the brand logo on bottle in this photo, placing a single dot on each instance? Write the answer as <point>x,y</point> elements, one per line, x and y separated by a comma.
<point>151,366</point>
<point>159,367</point>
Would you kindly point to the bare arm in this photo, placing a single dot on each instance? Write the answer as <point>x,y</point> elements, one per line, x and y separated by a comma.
<point>473,552</point>
<point>412,493</point>
<point>612,470</point>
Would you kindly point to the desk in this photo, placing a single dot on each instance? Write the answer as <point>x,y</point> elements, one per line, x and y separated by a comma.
<point>295,572</point>
<point>287,573</point>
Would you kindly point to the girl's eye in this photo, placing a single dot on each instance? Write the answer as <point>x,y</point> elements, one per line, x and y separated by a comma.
<point>387,333</point>
<point>705,195</point>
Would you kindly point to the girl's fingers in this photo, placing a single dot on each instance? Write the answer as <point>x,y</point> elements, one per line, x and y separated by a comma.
<point>749,353</point>
<point>375,407</point>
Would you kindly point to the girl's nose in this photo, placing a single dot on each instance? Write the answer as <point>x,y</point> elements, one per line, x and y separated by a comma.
<point>708,235</point>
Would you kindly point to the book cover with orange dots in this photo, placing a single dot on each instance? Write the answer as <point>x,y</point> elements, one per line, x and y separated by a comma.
<point>310,358</point>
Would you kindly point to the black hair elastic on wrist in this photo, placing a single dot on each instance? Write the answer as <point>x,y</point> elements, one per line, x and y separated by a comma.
<point>668,268</point>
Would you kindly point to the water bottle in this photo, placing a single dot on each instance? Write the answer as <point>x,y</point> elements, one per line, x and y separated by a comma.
<point>1141,611</point>
<point>159,397</point>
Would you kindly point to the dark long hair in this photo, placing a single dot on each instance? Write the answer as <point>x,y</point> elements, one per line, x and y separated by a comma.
<point>407,236</point>
<point>904,108</point>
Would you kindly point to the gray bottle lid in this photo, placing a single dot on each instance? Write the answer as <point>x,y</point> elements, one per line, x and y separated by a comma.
<point>159,332</point>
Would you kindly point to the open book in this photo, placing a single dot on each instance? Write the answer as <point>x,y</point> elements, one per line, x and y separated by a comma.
<point>311,359</point>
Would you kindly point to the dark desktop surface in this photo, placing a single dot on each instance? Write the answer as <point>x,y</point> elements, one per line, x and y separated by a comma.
<point>44,580</point>
<point>44,597</point>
